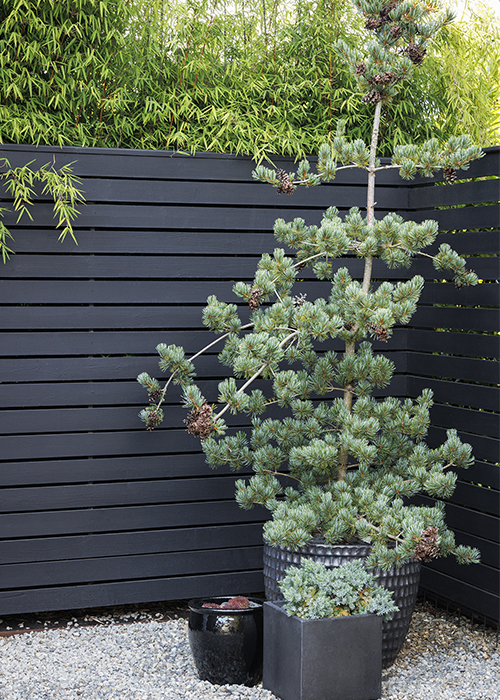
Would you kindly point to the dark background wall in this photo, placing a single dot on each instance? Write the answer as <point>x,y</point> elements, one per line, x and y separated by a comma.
<point>96,511</point>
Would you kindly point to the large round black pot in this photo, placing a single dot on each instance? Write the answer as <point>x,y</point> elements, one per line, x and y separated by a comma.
<point>403,581</point>
<point>226,644</point>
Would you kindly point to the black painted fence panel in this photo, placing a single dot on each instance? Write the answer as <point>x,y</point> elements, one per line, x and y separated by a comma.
<point>96,511</point>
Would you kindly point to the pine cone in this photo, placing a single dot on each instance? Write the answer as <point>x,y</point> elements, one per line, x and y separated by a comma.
<point>285,186</point>
<point>153,420</point>
<point>425,545</point>
<point>361,68</point>
<point>254,300</point>
<point>383,78</point>
<point>199,422</point>
<point>372,97</point>
<point>450,175</point>
<point>371,23</point>
<point>415,53</point>
<point>396,31</point>
<point>380,332</point>
<point>384,12</point>
<point>155,396</point>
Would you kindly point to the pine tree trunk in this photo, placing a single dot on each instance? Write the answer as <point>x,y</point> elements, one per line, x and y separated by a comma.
<point>350,347</point>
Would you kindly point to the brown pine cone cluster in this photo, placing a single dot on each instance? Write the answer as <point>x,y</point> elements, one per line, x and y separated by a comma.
<point>396,31</point>
<point>450,175</point>
<point>254,300</point>
<point>415,53</point>
<point>153,420</point>
<point>385,78</point>
<point>199,422</point>
<point>285,186</point>
<point>425,545</point>
<point>372,97</point>
<point>361,68</point>
<point>155,396</point>
<point>383,18</point>
<point>380,332</point>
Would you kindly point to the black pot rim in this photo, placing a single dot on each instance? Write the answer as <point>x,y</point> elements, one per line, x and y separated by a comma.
<point>196,605</point>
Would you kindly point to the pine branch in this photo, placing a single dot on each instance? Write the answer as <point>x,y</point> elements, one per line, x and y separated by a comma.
<point>255,376</point>
<point>193,357</point>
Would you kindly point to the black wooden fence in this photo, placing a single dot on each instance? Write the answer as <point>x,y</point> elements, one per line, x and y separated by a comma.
<point>96,511</point>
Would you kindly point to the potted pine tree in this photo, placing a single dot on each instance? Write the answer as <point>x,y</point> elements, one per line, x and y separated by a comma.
<point>335,466</point>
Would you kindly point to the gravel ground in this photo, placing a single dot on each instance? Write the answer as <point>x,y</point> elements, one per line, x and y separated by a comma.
<point>96,656</point>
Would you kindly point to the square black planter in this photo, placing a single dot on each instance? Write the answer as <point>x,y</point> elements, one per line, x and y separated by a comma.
<point>338,658</point>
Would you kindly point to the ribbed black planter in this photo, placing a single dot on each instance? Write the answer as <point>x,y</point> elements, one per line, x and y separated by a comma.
<point>226,644</point>
<point>403,581</point>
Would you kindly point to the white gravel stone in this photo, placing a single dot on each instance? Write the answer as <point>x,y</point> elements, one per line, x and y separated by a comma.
<point>152,661</point>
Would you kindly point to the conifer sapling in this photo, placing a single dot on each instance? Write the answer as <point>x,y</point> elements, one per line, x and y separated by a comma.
<point>338,464</point>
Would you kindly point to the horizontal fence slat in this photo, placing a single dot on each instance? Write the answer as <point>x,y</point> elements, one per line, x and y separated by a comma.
<point>130,567</point>
<point>458,393</point>
<point>463,368</point>
<point>54,291</point>
<point>74,369</point>
<point>483,294</point>
<point>472,243</point>
<point>484,448</point>
<point>137,163</point>
<point>91,595</point>
<point>172,267</point>
<point>125,343</point>
<point>190,217</point>
<point>459,194</point>
<point>472,344</point>
<point>147,517</point>
<point>95,444</point>
<point>487,216</point>
<point>482,473</point>
<point>474,574</point>
<point>174,317</point>
<point>114,468</point>
<point>129,192</point>
<point>456,318</point>
<point>52,549</point>
<point>482,499</point>
<point>38,498</point>
<point>489,551</point>
<point>463,594</point>
<point>99,343</point>
<point>85,317</point>
<point>118,392</point>
<point>480,422</point>
<point>143,242</point>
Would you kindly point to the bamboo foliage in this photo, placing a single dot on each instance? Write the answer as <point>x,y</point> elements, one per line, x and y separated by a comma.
<point>470,52</point>
<point>248,76</point>
<point>20,184</point>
